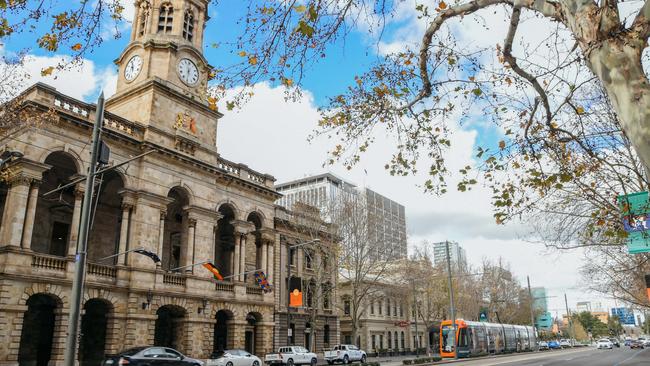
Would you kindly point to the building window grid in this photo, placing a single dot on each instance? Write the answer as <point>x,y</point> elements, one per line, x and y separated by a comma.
<point>188,25</point>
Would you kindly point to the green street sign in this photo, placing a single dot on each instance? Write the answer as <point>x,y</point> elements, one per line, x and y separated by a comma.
<point>635,213</point>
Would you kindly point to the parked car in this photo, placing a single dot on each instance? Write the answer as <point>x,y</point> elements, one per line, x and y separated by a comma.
<point>627,343</point>
<point>542,346</point>
<point>615,342</point>
<point>636,344</point>
<point>233,357</point>
<point>554,345</point>
<point>604,343</point>
<point>565,343</point>
<point>345,353</point>
<point>289,356</point>
<point>152,356</point>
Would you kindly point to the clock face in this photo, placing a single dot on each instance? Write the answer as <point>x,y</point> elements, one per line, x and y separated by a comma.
<point>133,68</point>
<point>188,71</point>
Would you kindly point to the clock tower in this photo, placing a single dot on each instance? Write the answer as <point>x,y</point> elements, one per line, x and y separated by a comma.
<point>163,76</point>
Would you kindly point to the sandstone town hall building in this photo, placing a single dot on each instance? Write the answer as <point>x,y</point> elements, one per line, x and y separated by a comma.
<point>183,201</point>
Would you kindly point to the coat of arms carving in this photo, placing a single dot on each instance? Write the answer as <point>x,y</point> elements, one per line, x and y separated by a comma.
<point>185,122</point>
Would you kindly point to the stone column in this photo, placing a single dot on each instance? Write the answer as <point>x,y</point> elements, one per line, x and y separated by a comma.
<point>263,262</point>
<point>13,219</point>
<point>124,228</point>
<point>242,256</point>
<point>236,270</point>
<point>189,248</point>
<point>30,215</point>
<point>76,212</point>
<point>161,236</point>
<point>270,261</point>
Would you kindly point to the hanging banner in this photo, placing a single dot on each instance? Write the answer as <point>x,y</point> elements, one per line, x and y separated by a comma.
<point>262,281</point>
<point>295,292</point>
<point>635,213</point>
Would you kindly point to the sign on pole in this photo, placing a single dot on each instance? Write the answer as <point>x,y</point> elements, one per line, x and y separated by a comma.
<point>635,212</point>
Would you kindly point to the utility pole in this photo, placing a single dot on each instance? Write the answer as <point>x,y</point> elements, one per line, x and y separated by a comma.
<point>568,312</point>
<point>82,242</point>
<point>451,300</point>
<point>532,302</point>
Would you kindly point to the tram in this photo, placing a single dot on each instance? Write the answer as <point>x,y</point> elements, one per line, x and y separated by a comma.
<point>480,338</point>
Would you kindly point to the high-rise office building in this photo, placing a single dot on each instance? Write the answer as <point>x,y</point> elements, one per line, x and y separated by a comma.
<point>386,218</point>
<point>457,254</point>
<point>543,318</point>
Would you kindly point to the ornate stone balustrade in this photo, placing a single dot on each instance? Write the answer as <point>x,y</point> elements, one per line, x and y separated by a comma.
<point>224,287</point>
<point>174,279</point>
<point>102,270</point>
<point>49,262</point>
<point>72,107</point>
<point>253,290</point>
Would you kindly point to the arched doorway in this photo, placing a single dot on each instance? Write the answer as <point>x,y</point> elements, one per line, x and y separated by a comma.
<point>176,228</point>
<point>37,331</point>
<point>169,327</point>
<point>93,332</point>
<point>220,340</point>
<point>54,212</point>
<point>224,246</point>
<point>105,233</point>
<point>252,339</point>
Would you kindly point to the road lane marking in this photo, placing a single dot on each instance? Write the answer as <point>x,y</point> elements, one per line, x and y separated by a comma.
<point>629,358</point>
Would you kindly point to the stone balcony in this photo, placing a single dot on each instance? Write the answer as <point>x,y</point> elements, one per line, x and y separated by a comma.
<point>32,266</point>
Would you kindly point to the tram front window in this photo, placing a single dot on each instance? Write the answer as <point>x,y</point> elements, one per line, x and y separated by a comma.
<point>447,339</point>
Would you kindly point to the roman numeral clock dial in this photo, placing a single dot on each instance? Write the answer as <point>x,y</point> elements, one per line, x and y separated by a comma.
<point>133,68</point>
<point>188,71</point>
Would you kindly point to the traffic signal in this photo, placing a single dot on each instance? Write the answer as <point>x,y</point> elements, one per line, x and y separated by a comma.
<point>647,285</point>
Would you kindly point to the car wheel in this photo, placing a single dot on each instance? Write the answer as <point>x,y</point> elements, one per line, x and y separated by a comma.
<point>229,364</point>
<point>290,362</point>
<point>330,362</point>
<point>346,360</point>
<point>255,363</point>
<point>363,359</point>
<point>314,362</point>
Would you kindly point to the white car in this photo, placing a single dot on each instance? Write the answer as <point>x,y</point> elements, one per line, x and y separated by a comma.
<point>565,343</point>
<point>604,344</point>
<point>345,353</point>
<point>233,357</point>
<point>290,356</point>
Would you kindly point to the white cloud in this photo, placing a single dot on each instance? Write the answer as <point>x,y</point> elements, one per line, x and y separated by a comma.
<point>81,81</point>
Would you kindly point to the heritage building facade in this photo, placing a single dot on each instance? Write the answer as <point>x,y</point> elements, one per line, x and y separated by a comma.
<point>182,201</point>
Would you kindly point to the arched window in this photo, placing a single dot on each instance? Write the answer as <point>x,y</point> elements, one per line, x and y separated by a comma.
<point>403,341</point>
<point>326,334</point>
<point>165,18</point>
<point>188,25</point>
<point>145,10</point>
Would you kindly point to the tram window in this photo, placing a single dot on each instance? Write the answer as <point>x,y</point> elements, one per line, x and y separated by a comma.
<point>462,338</point>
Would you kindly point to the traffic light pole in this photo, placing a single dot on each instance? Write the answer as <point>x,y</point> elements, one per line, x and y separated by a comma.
<point>82,242</point>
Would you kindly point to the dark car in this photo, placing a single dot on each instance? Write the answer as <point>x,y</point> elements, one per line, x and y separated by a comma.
<point>627,342</point>
<point>151,356</point>
<point>636,344</point>
<point>554,345</point>
<point>615,342</point>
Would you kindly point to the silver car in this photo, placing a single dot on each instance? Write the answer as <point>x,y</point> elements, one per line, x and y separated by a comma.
<point>233,357</point>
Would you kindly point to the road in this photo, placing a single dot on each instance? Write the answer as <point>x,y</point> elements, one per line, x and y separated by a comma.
<point>623,356</point>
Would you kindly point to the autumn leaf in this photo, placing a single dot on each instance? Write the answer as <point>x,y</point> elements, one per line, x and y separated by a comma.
<point>508,81</point>
<point>287,82</point>
<point>502,144</point>
<point>242,53</point>
<point>305,29</point>
<point>477,92</point>
<point>300,8</point>
<point>580,110</point>
<point>212,103</point>
<point>47,71</point>
<point>76,47</point>
<point>442,5</point>
<point>252,60</point>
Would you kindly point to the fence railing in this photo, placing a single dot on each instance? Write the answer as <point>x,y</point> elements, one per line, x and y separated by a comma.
<point>48,262</point>
<point>102,270</point>
<point>174,279</point>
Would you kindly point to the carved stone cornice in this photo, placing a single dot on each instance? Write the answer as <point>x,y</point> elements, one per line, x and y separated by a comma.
<point>205,214</point>
<point>153,199</point>
<point>129,197</point>
<point>243,227</point>
<point>268,235</point>
<point>24,172</point>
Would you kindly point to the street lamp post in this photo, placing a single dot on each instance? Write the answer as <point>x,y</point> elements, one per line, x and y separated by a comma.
<point>289,256</point>
<point>451,300</point>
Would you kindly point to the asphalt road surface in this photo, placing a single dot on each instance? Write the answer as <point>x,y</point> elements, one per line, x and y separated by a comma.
<point>623,356</point>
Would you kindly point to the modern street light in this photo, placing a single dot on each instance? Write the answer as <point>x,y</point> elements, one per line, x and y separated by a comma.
<point>289,256</point>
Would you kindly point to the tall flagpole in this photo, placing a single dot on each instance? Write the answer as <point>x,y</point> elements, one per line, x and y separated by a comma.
<point>82,241</point>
